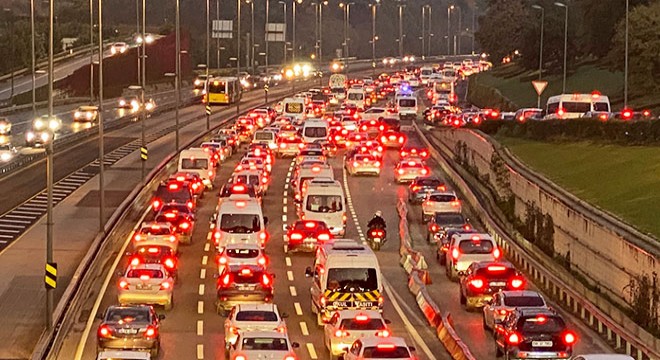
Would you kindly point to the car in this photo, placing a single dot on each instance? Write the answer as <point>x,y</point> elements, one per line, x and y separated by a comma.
<point>306,235</point>
<point>253,317</point>
<point>372,127</point>
<point>231,136</point>
<point>409,170</point>
<point>444,235</point>
<point>355,138</point>
<point>230,189</point>
<point>288,146</point>
<point>254,163</point>
<point>199,83</point>
<point>410,152</point>
<point>254,345</point>
<point>135,327</point>
<point>440,221</point>
<point>123,355</point>
<point>482,279</point>
<point>148,284</point>
<point>392,139</point>
<point>88,113</point>
<point>439,201</point>
<point>360,164</point>
<point>155,254</point>
<point>173,192</point>
<point>134,104</point>
<point>466,248</point>
<point>346,326</point>
<point>5,126</point>
<point>506,301</point>
<point>391,123</point>
<point>118,48</point>
<point>534,333</point>
<point>423,185</point>
<point>194,182</point>
<point>372,348</point>
<point>182,217</point>
<point>240,284</point>
<point>156,234</point>
<point>7,152</point>
<point>241,254</point>
<point>602,357</point>
<point>258,179</point>
<point>374,113</point>
<point>43,131</point>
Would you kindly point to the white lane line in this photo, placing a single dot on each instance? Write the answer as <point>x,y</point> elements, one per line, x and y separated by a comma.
<point>200,307</point>
<point>111,273</point>
<point>200,351</point>
<point>286,186</point>
<point>205,259</point>
<point>298,308</point>
<point>284,218</point>
<point>411,329</point>
<point>201,289</point>
<point>292,290</point>
<point>289,275</point>
<point>202,274</point>
<point>200,327</point>
<point>303,328</point>
<point>288,175</point>
<point>284,200</point>
<point>286,193</point>
<point>208,236</point>
<point>207,247</point>
<point>312,351</point>
<point>287,260</point>
<point>284,210</point>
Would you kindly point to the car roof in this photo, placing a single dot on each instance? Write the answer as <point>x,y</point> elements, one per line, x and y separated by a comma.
<point>443,193</point>
<point>242,246</point>
<point>374,341</point>
<point>351,314</point>
<point>518,293</point>
<point>150,267</point>
<point>468,236</point>
<point>256,334</point>
<point>485,264</point>
<point>526,311</point>
<point>257,307</point>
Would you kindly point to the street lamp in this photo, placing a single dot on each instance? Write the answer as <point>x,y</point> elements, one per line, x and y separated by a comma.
<point>347,26</point>
<point>401,6</point>
<point>91,51</point>
<point>238,40</point>
<point>449,9</point>
<point>293,39</point>
<point>285,28</point>
<point>430,31</point>
<point>538,7</point>
<point>565,42</point>
<point>49,164</point>
<point>251,48</point>
<point>10,15</point>
<point>625,66</point>
<point>100,119</point>
<point>34,60</point>
<point>373,35</point>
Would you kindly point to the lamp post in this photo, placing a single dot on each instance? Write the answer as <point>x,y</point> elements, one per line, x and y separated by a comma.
<point>373,35</point>
<point>49,164</point>
<point>238,41</point>
<point>430,31</point>
<point>565,42</point>
<point>100,119</point>
<point>177,70</point>
<point>423,27</point>
<point>457,44</point>
<point>251,47</point>
<point>91,51</point>
<point>625,66</point>
<point>10,15</point>
<point>474,25</point>
<point>218,48</point>
<point>449,9</point>
<point>293,39</point>
<point>321,29</point>
<point>143,83</point>
<point>266,34</point>
<point>401,6</point>
<point>208,38</point>
<point>285,28</point>
<point>34,60</point>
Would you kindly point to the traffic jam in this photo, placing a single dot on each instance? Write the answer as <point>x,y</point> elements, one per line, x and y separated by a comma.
<point>221,197</point>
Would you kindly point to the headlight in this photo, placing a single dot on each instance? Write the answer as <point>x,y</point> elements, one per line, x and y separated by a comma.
<point>53,124</point>
<point>197,82</point>
<point>29,136</point>
<point>38,124</point>
<point>45,136</point>
<point>122,102</point>
<point>76,114</point>
<point>113,51</point>
<point>5,156</point>
<point>150,106</point>
<point>89,115</point>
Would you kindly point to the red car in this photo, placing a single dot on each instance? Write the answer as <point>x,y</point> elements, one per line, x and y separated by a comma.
<point>181,217</point>
<point>392,139</point>
<point>151,254</point>
<point>410,152</point>
<point>305,235</point>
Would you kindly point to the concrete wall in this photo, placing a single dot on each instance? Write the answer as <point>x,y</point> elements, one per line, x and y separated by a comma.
<point>605,257</point>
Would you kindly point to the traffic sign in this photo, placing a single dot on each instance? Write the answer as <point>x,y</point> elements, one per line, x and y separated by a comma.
<point>266,87</point>
<point>208,110</point>
<point>144,153</point>
<point>539,86</point>
<point>51,275</point>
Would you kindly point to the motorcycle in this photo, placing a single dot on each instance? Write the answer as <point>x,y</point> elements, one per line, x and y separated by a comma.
<point>376,237</point>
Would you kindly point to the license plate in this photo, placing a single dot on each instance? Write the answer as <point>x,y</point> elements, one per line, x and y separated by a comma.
<point>341,304</point>
<point>542,343</point>
<point>128,331</point>
<point>246,287</point>
<point>497,283</point>
<point>365,304</point>
<point>143,287</point>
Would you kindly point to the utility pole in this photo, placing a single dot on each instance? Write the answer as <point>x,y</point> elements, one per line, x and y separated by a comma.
<point>91,51</point>
<point>101,124</point>
<point>49,165</point>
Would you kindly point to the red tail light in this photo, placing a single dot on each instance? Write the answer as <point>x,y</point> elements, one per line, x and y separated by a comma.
<point>324,237</point>
<point>569,338</point>
<point>626,114</point>
<point>383,333</point>
<point>266,281</point>
<point>151,332</point>
<point>190,205</point>
<point>355,163</point>
<point>341,333</point>
<point>184,225</point>
<point>123,285</point>
<point>105,331</point>
<point>296,236</point>
<point>497,253</point>
<point>262,261</point>
<point>561,112</point>
<point>156,204</point>
<point>517,283</point>
<point>477,283</point>
<point>224,281</point>
<point>455,253</point>
<point>514,339</point>
<point>401,171</point>
<point>169,263</point>
<point>435,228</point>
<point>425,171</point>
<point>165,285</point>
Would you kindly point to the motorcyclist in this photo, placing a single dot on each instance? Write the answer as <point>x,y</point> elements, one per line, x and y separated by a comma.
<point>377,221</point>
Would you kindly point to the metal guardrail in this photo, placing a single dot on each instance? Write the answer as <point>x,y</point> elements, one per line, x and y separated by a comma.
<point>625,339</point>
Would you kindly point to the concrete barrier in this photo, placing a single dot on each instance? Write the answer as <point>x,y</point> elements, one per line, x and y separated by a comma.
<point>601,316</point>
<point>452,342</point>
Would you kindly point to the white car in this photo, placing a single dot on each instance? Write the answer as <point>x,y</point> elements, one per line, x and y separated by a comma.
<point>5,126</point>
<point>146,284</point>
<point>466,248</point>
<point>118,48</point>
<point>7,152</point>
<point>123,355</point>
<point>375,113</point>
<point>440,201</point>
<point>253,317</point>
<point>372,348</point>
<point>156,233</point>
<point>504,302</point>
<point>253,345</point>
<point>346,326</point>
<point>241,254</point>
<point>363,164</point>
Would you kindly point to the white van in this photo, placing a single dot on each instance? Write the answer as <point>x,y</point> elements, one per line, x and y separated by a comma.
<point>315,131</point>
<point>308,172</point>
<point>406,106</point>
<point>324,200</point>
<point>239,220</point>
<point>265,137</point>
<point>356,97</point>
<point>346,275</point>
<point>573,106</point>
<point>198,160</point>
<point>295,108</point>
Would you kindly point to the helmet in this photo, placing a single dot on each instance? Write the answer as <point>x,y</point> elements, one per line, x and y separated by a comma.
<point>379,213</point>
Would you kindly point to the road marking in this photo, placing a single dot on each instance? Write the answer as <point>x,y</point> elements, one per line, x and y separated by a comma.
<point>287,260</point>
<point>284,218</point>
<point>286,186</point>
<point>284,200</point>
<point>411,329</point>
<point>312,351</point>
<point>284,209</point>
<point>201,289</point>
<point>200,351</point>
<point>292,290</point>
<point>286,193</point>
<point>288,175</point>
<point>111,273</point>
<point>207,247</point>
<point>208,236</point>
<point>205,259</point>
<point>202,274</point>
<point>298,308</point>
<point>303,328</point>
<point>200,307</point>
<point>289,275</point>
<point>200,327</point>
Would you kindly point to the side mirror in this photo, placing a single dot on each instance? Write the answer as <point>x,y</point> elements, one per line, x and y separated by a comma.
<point>461,273</point>
<point>284,315</point>
<point>161,317</point>
<point>388,321</point>
<point>295,345</point>
<point>412,348</point>
<point>265,220</point>
<point>308,272</point>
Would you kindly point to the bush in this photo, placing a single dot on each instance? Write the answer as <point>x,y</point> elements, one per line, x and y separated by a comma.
<point>485,96</point>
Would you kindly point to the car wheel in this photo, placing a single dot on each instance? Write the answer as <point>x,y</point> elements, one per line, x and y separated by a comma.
<point>463,300</point>
<point>483,323</point>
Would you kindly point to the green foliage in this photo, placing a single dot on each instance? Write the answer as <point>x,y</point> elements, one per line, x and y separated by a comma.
<point>501,27</point>
<point>645,297</point>
<point>486,96</point>
<point>538,228</point>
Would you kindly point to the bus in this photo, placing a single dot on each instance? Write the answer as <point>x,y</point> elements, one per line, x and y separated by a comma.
<point>572,106</point>
<point>223,90</point>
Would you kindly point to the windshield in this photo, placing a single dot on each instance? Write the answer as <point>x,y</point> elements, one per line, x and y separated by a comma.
<point>542,325</point>
<point>255,315</point>
<point>476,246</point>
<point>243,253</point>
<point>194,164</point>
<point>264,344</point>
<point>355,96</point>
<point>601,106</point>
<point>156,230</point>
<point>442,198</point>
<point>353,279</point>
<point>149,273</point>
<point>427,72</point>
<point>429,182</point>
<point>364,325</point>
<point>180,196</point>
<point>240,223</point>
<point>576,107</point>
<point>324,203</point>
<point>264,135</point>
<point>217,87</point>
<point>247,179</point>
<point>373,352</point>
<point>293,108</point>
<point>407,102</point>
<point>317,132</point>
<point>451,218</point>
<point>520,301</point>
<point>132,315</point>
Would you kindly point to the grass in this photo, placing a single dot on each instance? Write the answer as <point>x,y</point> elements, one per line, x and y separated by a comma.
<point>585,79</point>
<point>624,180</point>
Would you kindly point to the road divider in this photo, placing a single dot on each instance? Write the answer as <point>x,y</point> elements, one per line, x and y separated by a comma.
<point>624,335</point>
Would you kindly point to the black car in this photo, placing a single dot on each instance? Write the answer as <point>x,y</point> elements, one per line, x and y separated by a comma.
<point>172,192</point>
<point>422,185</point>
<point>441,221</point>
<point>130,327</point>
<point>483,279</point>
<point>241,284</point>
<point>534,333</point>
<point>181,217</point>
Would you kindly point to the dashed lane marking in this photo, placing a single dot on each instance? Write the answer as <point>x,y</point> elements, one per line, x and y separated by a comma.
<point>202,274</point>
<point>208,236</point>
<point>205,259</point>
<point>312,351</point>
<point>284,209</point>
<point>298,308</point>
<point>284,218</point>
<point>289,275</point>
<point>201,289</point>
<point>284,200</point>
<point>207,247</point>
<point>287,260</point>
<point>200,351</point>
<point>200,307</point>
<point>303,328</point>
<point>292,290</point>
<point>200,327</point>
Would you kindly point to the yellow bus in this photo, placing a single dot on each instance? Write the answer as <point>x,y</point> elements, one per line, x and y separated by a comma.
<point>223,90</point>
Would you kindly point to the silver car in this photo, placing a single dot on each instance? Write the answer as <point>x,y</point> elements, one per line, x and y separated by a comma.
<point>253,317</point>
<point>504,302</point>
<point>363,164</point>
<point>346,326</point>
<point>255,345</point>
<point>146,284</point>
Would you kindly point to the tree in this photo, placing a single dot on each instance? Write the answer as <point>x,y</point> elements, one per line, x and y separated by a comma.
<point>644,47</point>
<point>501,28</point>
